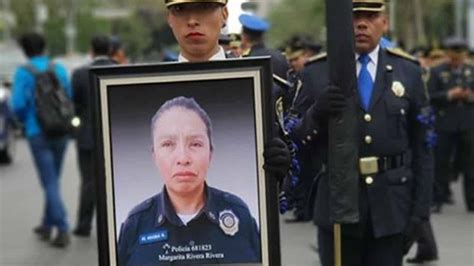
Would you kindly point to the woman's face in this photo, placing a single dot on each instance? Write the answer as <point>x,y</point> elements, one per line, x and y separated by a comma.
<point>181,150</point>
<point>197,28</point>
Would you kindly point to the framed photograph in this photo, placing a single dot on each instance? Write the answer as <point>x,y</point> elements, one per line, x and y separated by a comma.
<point>180,161</point>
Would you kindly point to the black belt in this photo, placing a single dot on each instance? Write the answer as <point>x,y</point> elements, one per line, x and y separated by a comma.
<point>374,165</point>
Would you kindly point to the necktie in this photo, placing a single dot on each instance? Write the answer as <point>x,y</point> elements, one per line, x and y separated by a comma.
<point>365,82</point>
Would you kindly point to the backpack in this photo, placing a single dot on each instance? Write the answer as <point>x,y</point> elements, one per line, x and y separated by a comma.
<point>54,109</point>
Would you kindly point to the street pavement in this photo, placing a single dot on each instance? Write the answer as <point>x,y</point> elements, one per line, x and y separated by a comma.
<point>21,203</point>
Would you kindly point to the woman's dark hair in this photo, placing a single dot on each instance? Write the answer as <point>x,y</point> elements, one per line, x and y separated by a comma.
<point>32,44</point>
<point>188,104</point>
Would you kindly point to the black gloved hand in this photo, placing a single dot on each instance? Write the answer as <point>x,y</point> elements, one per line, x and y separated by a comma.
<point>412,233</point>
<point>277,158</point>
<point>331,103</point>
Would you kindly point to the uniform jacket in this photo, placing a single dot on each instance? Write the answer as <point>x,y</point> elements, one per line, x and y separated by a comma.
<point>390,127</point>
<point>224,231</point>
<point>83,101</point>
<point>279,64</point>
<point>451,115</point>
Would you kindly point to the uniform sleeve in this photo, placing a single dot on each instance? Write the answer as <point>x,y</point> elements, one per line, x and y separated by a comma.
<point>307,130</point>
<point>438,94</point>
<point>22,94</point>
<point>422,163</point>
<point>124,242</point>
<point>255,239</point>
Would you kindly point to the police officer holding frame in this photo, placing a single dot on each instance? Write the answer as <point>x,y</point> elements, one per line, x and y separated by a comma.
<point>395,162</point>
<point>217,217</point>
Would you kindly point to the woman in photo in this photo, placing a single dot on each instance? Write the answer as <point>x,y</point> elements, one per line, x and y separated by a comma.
<point>188,222</point>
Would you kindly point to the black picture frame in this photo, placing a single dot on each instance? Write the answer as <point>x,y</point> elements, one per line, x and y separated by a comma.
<point>122,96</point>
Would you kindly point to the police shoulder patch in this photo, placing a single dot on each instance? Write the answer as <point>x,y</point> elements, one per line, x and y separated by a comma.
<point>316,58</point>
<point>400,53</point>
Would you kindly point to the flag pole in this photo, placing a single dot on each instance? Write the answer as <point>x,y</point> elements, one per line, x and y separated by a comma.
<point>337,245</point>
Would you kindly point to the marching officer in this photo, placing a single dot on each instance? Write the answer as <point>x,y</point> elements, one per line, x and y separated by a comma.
<point>253,30</point>
<point>395,163</point>
<point>451,90</point>
<point>297,55</point>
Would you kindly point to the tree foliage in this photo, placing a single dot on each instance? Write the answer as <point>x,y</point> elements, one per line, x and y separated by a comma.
<point>308,16</point>
<point>293,17</point>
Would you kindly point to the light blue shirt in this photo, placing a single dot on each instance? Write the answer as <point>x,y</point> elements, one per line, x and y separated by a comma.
<point>23,97</point>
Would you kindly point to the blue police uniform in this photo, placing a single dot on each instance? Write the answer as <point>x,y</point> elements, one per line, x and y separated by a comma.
<point>255,24</point>
<point>222,232</point>
<point>400,191</point>
<point>455,128</point>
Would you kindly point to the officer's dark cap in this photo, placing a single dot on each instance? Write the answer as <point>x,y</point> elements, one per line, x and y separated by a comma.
<point>169,3</point>
<point>224,39</point>
<point>368,5</point>
<point>295,48</point>
<point>235,39</point>
<point>455,44</point>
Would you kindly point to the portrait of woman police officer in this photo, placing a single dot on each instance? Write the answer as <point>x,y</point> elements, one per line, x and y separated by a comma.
<point>188,222</point>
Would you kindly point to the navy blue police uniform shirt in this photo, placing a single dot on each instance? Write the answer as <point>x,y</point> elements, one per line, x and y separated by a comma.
<point>224,231</point>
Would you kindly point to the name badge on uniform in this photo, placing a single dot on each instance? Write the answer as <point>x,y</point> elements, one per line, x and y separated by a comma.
<point>398,89</point>
<point>153,237</point>
<point>228,222</point>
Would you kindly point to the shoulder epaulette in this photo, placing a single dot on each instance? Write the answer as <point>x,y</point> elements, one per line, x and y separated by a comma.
<point>400,53</point>
<point>246,52</point>
<point>316,58</point>
<point>281,81</point>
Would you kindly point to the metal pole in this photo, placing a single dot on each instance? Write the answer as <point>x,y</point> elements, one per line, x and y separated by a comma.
<point>70,28</point>
<point>6,19</point>
<point>470,25</point>
<point>458,18</point>
<point>393,20</point>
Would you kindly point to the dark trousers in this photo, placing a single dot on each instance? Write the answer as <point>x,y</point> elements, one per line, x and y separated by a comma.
<point>426,243</point>
<point>87,201</point>
<point>48,156</point>
<point>444,151</point>
<point>302,192</point>
<point>366,251</point>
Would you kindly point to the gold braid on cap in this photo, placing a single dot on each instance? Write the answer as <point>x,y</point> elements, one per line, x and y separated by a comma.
<point>368,5</point>
<point>169,3</point>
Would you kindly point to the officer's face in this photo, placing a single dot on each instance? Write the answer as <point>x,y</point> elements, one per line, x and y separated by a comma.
<point>181,150</point>
<point>369,28</point>
<point>456,57</point>
<point>196,27</point>
<point>298,62</point>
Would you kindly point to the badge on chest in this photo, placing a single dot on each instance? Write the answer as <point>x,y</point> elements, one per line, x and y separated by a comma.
<point>398,89</point>
<point>228,222</point>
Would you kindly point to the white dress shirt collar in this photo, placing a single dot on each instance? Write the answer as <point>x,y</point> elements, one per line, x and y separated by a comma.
<point>220,55</point>
<point>372,65</point>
